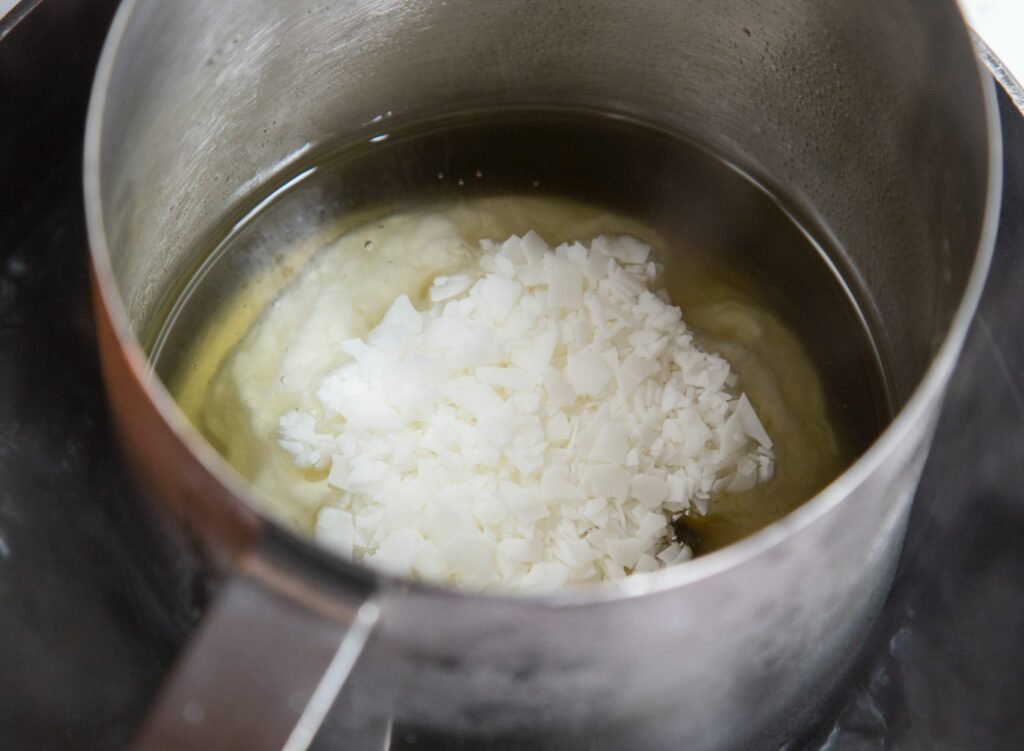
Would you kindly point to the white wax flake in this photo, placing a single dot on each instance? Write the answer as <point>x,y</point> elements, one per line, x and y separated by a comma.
<point>650,490</point>
<point>558,428</point>
<point>538,423</point>
<point>627,249</point>
<point>751,422</point>
<point>587,373</point>
<point>498,294</point>
<point>403,315</point>
<point>610,481</point>
<point>564,283</point>
<point>366,472</point>
<point>496,431</point>
<point>534,355</point>
<point>335,529</point>
<point>559,393</point>
<point>611,444</point>
<point>446,287</point>
<point>556,485</point>
<point>302,442</point>
<point>511,379</point>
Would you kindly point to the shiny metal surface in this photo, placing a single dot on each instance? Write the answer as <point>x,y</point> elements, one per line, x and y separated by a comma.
<point>240,662</point>
<point>873,117</point>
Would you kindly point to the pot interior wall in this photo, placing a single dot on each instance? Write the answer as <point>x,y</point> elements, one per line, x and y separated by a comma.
<point>867,116</point>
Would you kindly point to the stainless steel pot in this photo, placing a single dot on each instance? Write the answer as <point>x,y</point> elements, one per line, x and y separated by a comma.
<point>873,115</point>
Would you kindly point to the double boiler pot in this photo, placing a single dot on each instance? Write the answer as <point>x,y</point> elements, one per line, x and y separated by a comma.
<point>872,115</point>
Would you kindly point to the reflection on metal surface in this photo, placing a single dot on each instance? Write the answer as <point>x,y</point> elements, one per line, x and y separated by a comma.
<point>935,673</point>
<point>258,647</point>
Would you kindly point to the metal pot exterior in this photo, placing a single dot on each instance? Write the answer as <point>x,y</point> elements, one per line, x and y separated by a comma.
<point>870,116</point>
<point>735,660</point>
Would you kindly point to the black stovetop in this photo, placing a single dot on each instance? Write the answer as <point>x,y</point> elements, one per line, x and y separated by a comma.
<point>92,611</point>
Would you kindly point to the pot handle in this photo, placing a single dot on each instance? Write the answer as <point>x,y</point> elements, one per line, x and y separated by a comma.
<point>269,658</point>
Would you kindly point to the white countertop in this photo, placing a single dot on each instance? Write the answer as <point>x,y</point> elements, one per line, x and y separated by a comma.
<point>1001,24</point>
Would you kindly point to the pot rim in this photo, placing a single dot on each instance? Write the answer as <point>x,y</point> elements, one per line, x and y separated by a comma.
<point>238,492</point>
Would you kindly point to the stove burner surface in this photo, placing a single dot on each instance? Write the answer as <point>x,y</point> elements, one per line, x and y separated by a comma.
<point>89,623</point>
